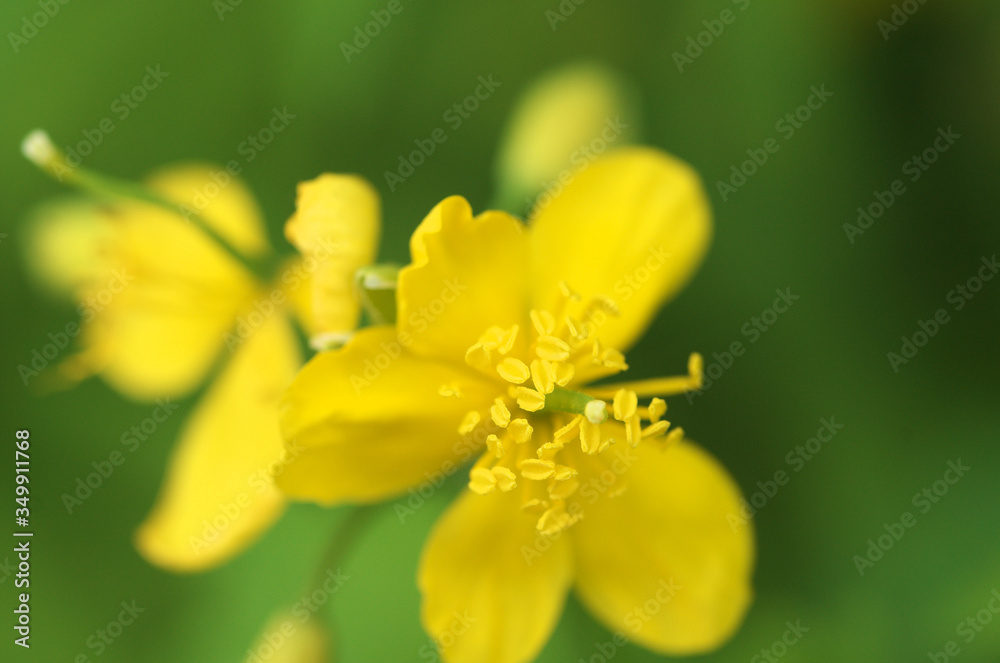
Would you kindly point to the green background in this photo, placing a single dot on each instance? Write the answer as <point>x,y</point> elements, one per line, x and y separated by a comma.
<point>784,229</point>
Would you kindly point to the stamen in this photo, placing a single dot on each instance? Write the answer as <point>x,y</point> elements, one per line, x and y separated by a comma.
<point>613,359</point>
<point>513,370</point>
<point>543,374</point>
<point>493,337</point>
<point>657,386</point>
<point>590,436</point>
<point>568,431</point>
<point>507,342</point>
<point>556,519</point>
<point>560,490</point>
<point>565,374</point>
<point>633,431</point>
<point>452,390</point>
<point>482,481</point>
<point>479,357</point>
<point>543,322</point>
<point>625,404</point>
<point>469,423</point>
<point>657,408</point>
<point>536,469</point>
<point>500,414</point>
<point>564,473</point>
<point>657,429</point>
<point>505,478</point>
<point>675,436</point>
<point>552,348</point>
<point>495,446</point>
<point>520,430</point>
<point>538,384</point>
<point>553,520</point>
<point>529,399</point>
<point>577,331</point>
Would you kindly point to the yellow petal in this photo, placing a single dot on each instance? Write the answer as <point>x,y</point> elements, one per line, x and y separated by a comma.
<point>289,639</point>
<point>633,226</point>
<point>373,422</point>
<point>493,587</point>
<point>467,275</point>
<point>336,228</point>
<point>662,559</point>
<point>158,296</point>
<point>219,198</point>
<point>219,493</point>
<point>64,245</point>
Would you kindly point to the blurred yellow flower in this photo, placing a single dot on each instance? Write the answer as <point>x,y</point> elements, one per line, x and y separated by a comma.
<point>562,122</point>
<point>184,309</point>
<point>500,329</point>
<point>290,638</point>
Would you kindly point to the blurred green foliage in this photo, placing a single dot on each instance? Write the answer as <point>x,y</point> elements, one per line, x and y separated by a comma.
<point>784,229</point>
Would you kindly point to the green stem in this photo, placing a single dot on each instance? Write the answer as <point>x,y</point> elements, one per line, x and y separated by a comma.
<point>344,537</point>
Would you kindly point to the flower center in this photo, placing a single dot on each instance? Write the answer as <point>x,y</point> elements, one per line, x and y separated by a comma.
<point>543,431</point>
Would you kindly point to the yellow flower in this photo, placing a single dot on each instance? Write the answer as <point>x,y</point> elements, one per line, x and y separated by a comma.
<point>164,306</point>
<point>500,330</point>
<point>289,639</point>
